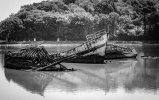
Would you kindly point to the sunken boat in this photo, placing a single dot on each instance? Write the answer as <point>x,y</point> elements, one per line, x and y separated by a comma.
<point>109,51</point>
<point>37,58</point>
<point>95,50</point>
<point>114,51</point>
<point>96,77</point>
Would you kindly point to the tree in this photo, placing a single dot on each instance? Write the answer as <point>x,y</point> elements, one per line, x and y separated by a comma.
<point>81,25</point>
<point>10,26</point>
<point>49,20</point>
<point>105,7</point>
<point>113,17</point>
<point>143,9</point>
<point>69,1</point>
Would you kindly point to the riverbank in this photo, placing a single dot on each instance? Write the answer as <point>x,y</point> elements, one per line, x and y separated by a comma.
<point>43,42</point>
<point>64,43</point>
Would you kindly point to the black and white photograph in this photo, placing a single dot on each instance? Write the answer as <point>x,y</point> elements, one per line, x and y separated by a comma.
<point>79,49</point>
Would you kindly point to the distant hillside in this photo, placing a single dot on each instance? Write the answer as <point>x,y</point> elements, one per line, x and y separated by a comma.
<point>72,20</point>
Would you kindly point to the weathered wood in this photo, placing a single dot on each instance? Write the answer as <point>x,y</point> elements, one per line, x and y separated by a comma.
<point>58,61</point>
<point>55,63</point>
<point>42,60</point>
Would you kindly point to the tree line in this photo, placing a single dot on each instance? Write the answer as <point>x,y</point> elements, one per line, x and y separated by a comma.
<point>72,20</point>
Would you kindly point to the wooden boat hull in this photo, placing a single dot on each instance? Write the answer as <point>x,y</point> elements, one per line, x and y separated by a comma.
<point>38,57</point>
<point>110,51</point>
<point>113,51</point>
<point>96,59</point>
<point>94,50</point>
<point>94,46</point>
<point>91,59</point>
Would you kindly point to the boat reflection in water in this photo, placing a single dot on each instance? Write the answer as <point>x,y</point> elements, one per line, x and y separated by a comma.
<point>131,75</point>
<point>35,82</point>
<point>117,79</point>
<point>89,77</point>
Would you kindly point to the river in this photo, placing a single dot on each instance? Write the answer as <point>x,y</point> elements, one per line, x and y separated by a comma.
<point>127,79</point>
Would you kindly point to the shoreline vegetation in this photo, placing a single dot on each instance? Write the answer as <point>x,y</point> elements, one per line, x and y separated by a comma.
<point>72,20</point>
<point>71,43</point>
<point>74,42</point>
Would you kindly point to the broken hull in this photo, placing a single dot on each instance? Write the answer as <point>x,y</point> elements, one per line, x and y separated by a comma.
<point>22,64</point>
<point>91,47</point>
<point>97,59</point>
<point>119,56</point>
<point>109,51</point>
<point>92,59</point>
<point>113,51</point>
<point>36,57</point>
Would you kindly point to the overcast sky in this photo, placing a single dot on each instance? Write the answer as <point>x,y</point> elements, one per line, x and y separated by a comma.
<point>12,6</point>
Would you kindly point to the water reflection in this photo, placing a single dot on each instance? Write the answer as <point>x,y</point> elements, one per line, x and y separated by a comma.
<point>131,75</point>
<point>1,60</point>
<point>145,76</point>
<point>87,78</point>
<point>35,82</point>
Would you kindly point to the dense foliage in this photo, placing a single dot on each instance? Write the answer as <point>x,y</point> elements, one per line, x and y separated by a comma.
<point>74,19</point>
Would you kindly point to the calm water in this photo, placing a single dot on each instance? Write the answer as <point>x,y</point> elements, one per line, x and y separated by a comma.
<point>129,79</point>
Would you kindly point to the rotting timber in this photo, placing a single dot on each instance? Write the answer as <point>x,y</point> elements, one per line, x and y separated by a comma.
<point>114,51</point>
<point>37,58</point>
<point>95,50</point>
<point>110,51</point>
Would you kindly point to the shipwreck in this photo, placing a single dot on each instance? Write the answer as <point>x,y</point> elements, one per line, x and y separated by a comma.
<point>95,50</point>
